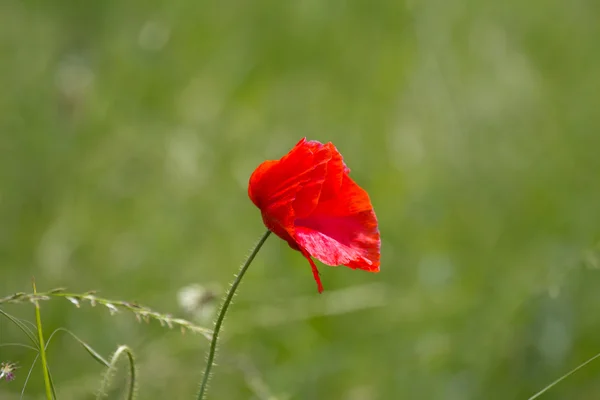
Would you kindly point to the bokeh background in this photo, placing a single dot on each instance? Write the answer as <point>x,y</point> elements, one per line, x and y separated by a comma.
<point>128,131</point>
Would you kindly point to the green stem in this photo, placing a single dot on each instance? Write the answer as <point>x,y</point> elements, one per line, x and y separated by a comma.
<point>38,321</point>
<point>223,311</point>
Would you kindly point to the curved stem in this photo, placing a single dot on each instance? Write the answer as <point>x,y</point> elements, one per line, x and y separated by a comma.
<point>223,311</point>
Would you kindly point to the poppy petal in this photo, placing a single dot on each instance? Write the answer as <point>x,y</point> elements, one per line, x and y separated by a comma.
<point>342,230</point>
<point>350,199</point>
<point>314,269</point>
<point>274,181</point>
<point>279,219</point>
<point>255,184</point>
<point>352,241</point>
<point>289,187</point>
<point>307,197</point>
<point>336,169</point>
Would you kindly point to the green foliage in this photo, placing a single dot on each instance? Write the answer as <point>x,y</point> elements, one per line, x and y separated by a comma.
<point>41,346</point>
<point>128,130</point>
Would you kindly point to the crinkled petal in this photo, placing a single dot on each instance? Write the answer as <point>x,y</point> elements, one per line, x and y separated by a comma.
<point>289,187</point>
<point>342,231</point>
<point>350,199</point>
<point>352,241</point>
<point>336,170</point>
<point>309,193</point>
<point>258,180</point>
<point>279,219</point>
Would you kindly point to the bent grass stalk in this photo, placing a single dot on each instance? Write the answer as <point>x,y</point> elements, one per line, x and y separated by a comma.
<point>131,391</point>
<point>221,316</point>
<point>141,313</point>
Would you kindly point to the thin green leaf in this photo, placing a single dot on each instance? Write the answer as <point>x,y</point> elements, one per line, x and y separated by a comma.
<point>21,326</point>
<point>95,355</point>
<point>29,374</point>
<point>562,378</point>
<point>18,345</point>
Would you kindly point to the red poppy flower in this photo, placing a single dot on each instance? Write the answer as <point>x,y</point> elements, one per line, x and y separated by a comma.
<point>308,199</point>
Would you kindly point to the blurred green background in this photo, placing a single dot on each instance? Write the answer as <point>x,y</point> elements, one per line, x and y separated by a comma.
<point>128,131</point>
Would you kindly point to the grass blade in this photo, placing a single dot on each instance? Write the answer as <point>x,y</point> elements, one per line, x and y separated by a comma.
<point>95,355</point>
<point>21,326</point>
<point>562,378</point>
<point>50,395</point>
